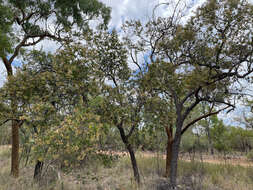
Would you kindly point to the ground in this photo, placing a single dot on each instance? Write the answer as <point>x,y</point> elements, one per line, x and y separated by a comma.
<point>210,174</point>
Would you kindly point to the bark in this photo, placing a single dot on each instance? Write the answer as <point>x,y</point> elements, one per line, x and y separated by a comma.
<point>169,150</point>
<point>15,125</point>
<point>134,164</point>
<point>39,164</point>
<point>38,170</point>
<point>175,153</point>
<point>131,152</point>
<point>15,149</point>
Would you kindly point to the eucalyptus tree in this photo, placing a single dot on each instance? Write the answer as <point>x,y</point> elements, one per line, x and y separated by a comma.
<point>123,99</point>
<point>200,61</point>
<point>160,112</point>
<point>26,23</point>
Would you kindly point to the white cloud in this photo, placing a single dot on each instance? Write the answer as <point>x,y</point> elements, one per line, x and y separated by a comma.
<point>47,45</point>
<point>2,74</point>
<point>143,9</point>
<point>129,9</point>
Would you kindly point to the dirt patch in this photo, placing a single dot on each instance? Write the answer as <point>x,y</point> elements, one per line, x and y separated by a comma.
<point>216,159</point>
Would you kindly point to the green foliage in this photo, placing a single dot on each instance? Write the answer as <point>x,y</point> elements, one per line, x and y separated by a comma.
<point>240,139</point>
<point>250,155</point>
<point>219,134</point>
<point>72,102</point>
<point>71,141</point>
<point>150,138</point>
<point>25,23</point>
<point>5,29</point>
<point>5,134</point>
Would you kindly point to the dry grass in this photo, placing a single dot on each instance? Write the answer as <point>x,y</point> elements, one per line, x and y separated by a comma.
<point>118,176</point>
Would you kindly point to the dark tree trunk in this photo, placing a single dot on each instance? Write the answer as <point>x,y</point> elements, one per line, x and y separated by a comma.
<point>15,149</point>
<point>38,170</point>
<point>39,164</point>
<point>134,163</point>
<point>175,153</point>
<point>169,150</point>
<point>131,152</point>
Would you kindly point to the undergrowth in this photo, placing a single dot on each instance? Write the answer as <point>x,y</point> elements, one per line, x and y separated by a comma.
<point>108,173</point>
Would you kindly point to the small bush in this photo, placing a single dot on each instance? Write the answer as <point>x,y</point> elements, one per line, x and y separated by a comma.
<point>250,155</point>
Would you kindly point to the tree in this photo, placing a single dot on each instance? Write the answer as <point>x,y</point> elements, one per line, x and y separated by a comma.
<point>160,112</point>
<point>219,134</point>
<point>123,99</point>
<point>198,61</point>
<point>206,123</point>
<point>35,21</point>
<point>53,93</point>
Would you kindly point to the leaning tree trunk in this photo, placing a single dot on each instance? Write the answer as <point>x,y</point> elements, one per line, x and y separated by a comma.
<point>131,152</point>
<point>175,154</point>
<point>134,163</point>
<point>169,150</point>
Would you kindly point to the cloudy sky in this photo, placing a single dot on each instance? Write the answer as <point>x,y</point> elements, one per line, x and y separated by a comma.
<point>123,10</point>
<point>142,9</point>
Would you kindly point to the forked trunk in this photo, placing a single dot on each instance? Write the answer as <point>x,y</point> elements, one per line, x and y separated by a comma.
<point>169,150</point>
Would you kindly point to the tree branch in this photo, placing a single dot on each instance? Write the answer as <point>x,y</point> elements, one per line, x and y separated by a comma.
<point>5,122</point>
<point>201,117</point>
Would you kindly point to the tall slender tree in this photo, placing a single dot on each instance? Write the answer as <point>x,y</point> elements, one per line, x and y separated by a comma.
<point>123,98</point>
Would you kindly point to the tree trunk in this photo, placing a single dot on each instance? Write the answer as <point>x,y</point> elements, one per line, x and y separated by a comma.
<point>15,125</point>
<point>175,153</point>
<point>38,170</point>
<point>169,150</point>
<point>15,149</point>
<point>131,152</point>
<point>39,164</point>
<point>134,163</point>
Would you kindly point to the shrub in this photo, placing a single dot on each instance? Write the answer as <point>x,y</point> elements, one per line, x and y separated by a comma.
<point>250,155</point>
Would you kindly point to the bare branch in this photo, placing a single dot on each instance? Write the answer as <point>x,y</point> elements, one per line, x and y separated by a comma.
<point>201,117</point>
